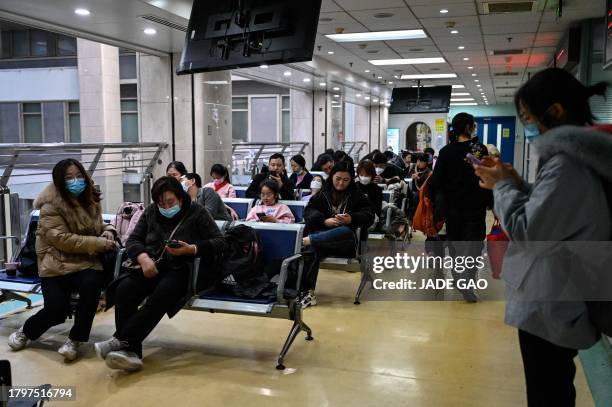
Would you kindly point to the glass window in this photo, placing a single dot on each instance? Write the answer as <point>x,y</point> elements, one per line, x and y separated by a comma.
<point>5,38</point>
<point>286,102</point>
<point>240,103</point>
<point>41,43</point>
<point>129,127</point>
<point>127,66</point>
<point>286,126</point>
<point>128,91</point>
<point>20,44</point>
<point>240,126</point>
<point>74,122</point>
<point>66,45</point>
<point>54,122</point>
<point>129,105</point>
<point>9,123</point>
<point>32,123</point>
<point>73,107</point>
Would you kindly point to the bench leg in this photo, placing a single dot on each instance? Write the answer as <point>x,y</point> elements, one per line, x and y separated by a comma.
<point>298,325</point>
<point>364,280</point>
<point>10,295</point>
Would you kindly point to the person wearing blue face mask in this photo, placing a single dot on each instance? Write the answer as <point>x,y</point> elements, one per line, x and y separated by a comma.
<point>69,239</point>
<point>171,231</point>
<point>569,201</point>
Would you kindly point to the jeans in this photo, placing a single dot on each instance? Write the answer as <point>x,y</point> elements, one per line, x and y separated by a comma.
<point>162,292</point>
<point>57,294</point>
<point>465,236</point>
<point>337,242</point>
<point>549,372</point>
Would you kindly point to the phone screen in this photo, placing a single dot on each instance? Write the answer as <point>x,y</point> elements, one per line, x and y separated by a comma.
<point>473,159</point>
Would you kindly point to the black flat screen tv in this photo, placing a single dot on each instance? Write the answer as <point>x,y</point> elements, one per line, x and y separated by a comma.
<point>245,33</point>
<point>435,99</point>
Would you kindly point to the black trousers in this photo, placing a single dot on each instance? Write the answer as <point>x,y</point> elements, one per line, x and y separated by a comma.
<point>337,242</point>
<point>465,236</point>
<point>549,372</point>
<point>162,293</point>
<point>56,293</point>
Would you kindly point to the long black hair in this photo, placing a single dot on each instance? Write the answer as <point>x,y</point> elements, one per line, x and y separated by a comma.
<point>556,85</point>
<point>461,122</point>
<point>90,196</point>
<point>221,170</point>
<point>178,166</point>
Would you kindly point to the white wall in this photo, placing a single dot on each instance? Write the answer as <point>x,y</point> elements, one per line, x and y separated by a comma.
<point>39,84</point>
<point>301,120</point>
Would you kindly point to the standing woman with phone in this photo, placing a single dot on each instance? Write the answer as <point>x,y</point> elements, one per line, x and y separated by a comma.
<point>456,193</point>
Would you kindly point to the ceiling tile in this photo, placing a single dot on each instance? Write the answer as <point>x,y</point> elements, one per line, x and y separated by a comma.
<point>457,10</point>
<point>350,5</point>
<point>329,5</point>
<point>402,19</point>
<point>441,23</point>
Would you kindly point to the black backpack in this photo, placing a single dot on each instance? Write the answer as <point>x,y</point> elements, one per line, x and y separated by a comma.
<point>242,259</point>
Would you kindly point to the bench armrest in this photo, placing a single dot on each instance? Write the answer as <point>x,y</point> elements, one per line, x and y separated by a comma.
<point>280,288</point>
<point>194,273</point>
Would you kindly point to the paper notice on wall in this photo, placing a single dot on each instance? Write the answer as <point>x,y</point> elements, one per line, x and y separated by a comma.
<point>440,125</point>
<point>506,133</point>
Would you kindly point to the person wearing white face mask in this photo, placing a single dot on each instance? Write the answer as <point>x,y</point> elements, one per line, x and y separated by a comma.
<point>171,231</point>
<point>221,182</point>
<point>366,173</point>
<point>315,187</point>
<point>569,202</point>
<point>300,176</point>
<point>385,173</point>
<point>207,197</point>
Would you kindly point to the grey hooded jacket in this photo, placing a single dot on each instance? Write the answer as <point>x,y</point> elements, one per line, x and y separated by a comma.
<point>554,226</point>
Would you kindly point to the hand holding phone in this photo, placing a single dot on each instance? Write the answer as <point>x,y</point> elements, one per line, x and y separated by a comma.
<point>261,215</point>
<point>473,159</point>
<point>174,244</point>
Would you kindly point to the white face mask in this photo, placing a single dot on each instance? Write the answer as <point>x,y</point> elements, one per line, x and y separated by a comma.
<point>315,185</point>
<point>365,180</point>
<point>379,170</point>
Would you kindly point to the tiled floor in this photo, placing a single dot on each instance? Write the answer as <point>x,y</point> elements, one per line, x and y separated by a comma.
<point>418,353</point>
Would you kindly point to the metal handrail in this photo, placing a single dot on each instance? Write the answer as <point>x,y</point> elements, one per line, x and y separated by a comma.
<point>14,152</point>
<point>358,145</point>
<point>254,152</point>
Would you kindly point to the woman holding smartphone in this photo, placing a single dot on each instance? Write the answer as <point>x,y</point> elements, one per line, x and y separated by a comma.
<point>269,209</point>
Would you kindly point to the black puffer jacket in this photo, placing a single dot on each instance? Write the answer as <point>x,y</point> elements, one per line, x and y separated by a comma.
<point>153,229</point>
<point>356,204</point>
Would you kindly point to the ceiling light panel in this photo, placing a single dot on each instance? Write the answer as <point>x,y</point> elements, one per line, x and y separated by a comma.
<point>407,61</point>
<point>378,36</point>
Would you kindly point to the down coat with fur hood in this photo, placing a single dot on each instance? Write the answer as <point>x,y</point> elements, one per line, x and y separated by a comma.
<point>68,238</point>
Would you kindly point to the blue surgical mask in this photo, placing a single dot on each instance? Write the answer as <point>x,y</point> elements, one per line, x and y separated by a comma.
<point>531,132</point>
<point>76,186</point>
<point>170,212</point>
<point>185,186</point>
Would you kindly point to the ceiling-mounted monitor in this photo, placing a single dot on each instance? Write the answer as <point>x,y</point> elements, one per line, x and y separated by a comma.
<point>434,99</point>
<point>246,33</point>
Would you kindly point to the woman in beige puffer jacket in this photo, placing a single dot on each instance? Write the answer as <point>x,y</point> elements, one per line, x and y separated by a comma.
<point>69,240</point>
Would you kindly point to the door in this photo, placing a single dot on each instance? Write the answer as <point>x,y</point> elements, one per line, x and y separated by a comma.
<point>499,131</point>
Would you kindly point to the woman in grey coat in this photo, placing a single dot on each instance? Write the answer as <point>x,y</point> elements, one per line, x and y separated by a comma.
<point>548,268</point>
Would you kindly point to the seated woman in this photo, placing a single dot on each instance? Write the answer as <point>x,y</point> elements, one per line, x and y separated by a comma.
<point>332,218</point>
<point>315,187</point>
<point>169,234</point>
<point>69,239</point>
<point>176,170</point>
<point>221,182</point>
<point>301,178</point>
<point>372,191</point>
<point>207,197</point>
<point>269,209</point>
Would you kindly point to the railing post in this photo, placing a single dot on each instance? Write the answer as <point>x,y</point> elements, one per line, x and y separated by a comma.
<point>95,161</point>
<point>9,169</point>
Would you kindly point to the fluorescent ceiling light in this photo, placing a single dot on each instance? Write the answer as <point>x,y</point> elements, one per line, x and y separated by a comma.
<point>470,67</point>
<point>322,84</point>
<point>465,104</point>
<point>460,47</point>
<point>358,95</point>
<point>460,94</point>
<point>430,76</point>
<point>306,80</point>
<point>287,73</point>
<point>390,82</point>
<point>82,12</point>
<point>407,61</point>
<point>367,71</point>
<point>455,32</point>
<point>216,82</point>
<point>336,88</point>
<point>466,59</point>
<point>462,100</point>
<point>473,74</point>
<point>476,80</point>
<point>336,96</point>
<point>330,52</point>
<point>443,11</point>
<point>458,86</point>
<point>378,36</point>
<point>367,98</point>
<point>150,31</point>
<point>263,66</point>
<point>375,100</point>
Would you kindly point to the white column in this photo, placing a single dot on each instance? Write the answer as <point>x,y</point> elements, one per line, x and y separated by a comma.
<point>301,121</point>
<point>321,122</point>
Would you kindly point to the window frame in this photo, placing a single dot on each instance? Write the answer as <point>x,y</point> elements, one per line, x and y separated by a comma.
<point>67,115</point>
<point>53,47</point>
<point>136,99</point>
<point>22,115</point>
<point>247,110</point>
<point>282,110</point>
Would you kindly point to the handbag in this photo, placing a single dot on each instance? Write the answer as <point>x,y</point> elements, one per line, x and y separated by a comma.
<point>131,266</point>
<point>497,244</point>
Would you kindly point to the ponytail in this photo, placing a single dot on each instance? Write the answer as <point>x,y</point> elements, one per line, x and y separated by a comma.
<point>598,89</point>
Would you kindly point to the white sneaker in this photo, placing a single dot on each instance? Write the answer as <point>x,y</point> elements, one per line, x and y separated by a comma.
<point>123,360</point>
<point>110,345</point>
<point>69,350</point>
<point>309,300</point>
<point>18,340</point>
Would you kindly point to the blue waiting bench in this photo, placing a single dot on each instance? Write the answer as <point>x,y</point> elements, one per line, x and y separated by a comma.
<point>240,191</point>
<point>297,208</point>
<point>242,206</point>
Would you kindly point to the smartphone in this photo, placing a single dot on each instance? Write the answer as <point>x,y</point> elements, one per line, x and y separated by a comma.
<point>174,244</point>
<point>273,174</point>
<point>261,214</point>
<point>473,159</point>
